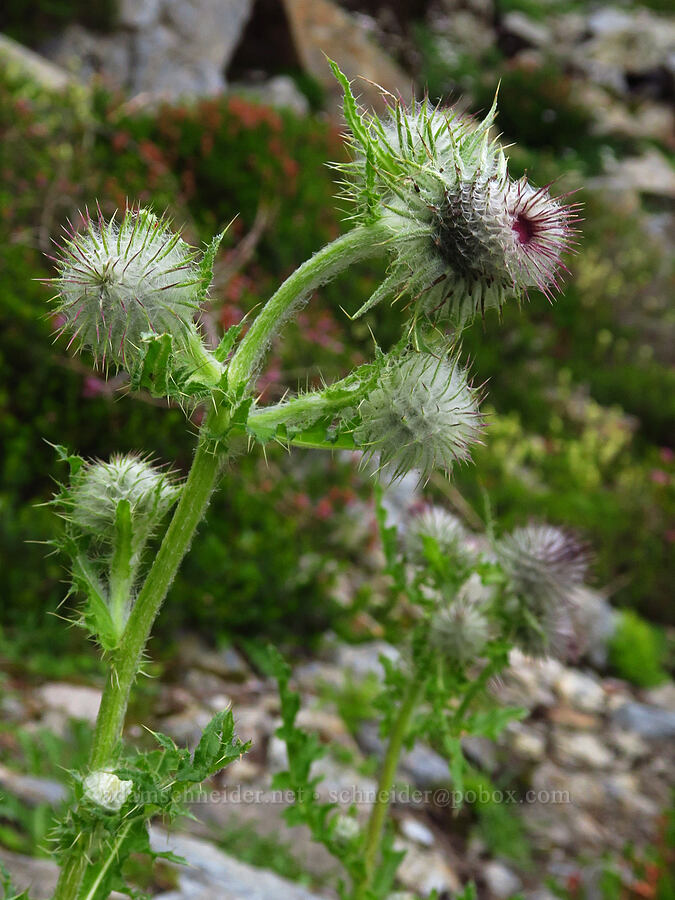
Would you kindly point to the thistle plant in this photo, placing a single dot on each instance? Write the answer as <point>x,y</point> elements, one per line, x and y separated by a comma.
<point>430,189</point>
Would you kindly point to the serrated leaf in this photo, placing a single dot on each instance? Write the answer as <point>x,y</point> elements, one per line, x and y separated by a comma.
<point>152,372</point>
<point>228,341</point>
<point>490,723</point>
<point>206,265</point>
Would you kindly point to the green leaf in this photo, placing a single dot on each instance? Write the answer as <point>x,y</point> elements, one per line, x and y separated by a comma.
<point>490,723</point>
<point>228,341</point>
<point>104,875</point>
<point>152,372</point>
<point>206,265</point>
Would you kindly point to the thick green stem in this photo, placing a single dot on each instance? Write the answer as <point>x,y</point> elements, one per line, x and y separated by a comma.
<point>359,243</point>
<point>380,808</point>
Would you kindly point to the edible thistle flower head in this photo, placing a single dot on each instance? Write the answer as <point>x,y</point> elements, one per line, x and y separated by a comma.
<point>464,235</point>
<point>119,281</point>
<point>422,415</point>
<point>545,567</point>
<point>100,486</point>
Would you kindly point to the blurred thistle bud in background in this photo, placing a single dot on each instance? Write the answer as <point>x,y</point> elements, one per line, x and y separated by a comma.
<point>422,415</point>
<point>439,525</point>
<point>458,631</point>
<point>545,567</point>
<point>465,236</point>
<point>118,282</point>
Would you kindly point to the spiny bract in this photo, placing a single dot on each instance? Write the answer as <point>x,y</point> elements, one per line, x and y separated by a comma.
<point>100,486</point>
<point>118,282</point>
<point>422,415</point>
<point>465,236</point>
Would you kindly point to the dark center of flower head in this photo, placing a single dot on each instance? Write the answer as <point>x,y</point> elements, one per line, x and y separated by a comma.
<point>524,228</point>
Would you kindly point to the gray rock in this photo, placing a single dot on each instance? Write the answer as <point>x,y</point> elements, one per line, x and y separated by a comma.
<point>213,874</point>
<point>47,74</point>
<point>534,34</point>
<point>422,766</point>
<point>364,659</point>
<point>37,875</point>
<point>581,749</point>
<point>647,721</point>
<point>424,871</point>
<point>663,695</point>
<point>30,789</point>
<point>72,700</point>
<point>138,13</point>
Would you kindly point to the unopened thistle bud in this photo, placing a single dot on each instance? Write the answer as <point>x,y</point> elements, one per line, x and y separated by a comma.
<point>545,566</point>
<point>459,631</point>
<point>106,790</point>
<point>464,235</point>
<point>346,829</point>
<point>100,486</point>
<point>117,282</point>
<point>423,415</point>
<point>439,525</point>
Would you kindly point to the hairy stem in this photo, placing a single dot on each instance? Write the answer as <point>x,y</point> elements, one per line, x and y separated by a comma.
<point>359,243</point>
<point>380,808</point>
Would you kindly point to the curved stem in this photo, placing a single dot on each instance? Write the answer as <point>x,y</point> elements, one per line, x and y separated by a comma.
<point>384,786</point>
<point>359,243</point>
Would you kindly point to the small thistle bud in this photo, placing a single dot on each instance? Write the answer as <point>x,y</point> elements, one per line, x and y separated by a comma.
<point>423,415</point>
<point>118,282</point>
<point>440,525</point>
<point>346,829</point>
<point>464,235</point>
<point>106,790</point>
<point>100,486</point>
<point>459,631</point>
<point>545,567</point>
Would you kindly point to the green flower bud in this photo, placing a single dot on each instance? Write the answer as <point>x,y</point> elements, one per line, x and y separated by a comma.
<point>119,282</point>
<point>423,415</point>
<point>100,486</point>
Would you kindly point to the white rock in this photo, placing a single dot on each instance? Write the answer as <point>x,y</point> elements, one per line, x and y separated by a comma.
<point>417,832</point>
<point>581,691</point>
<point>582,749</point>
<point>501,881</point>
<point>534,33</point>
<point>526,742</point>
<point>424,871</point>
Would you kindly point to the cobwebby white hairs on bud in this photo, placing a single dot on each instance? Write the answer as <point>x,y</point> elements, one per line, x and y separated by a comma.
<point>346,829</point>
<point>118,282</point>
<point>437,523</point>
<point>106,790</point>
<point>423,415</point>
<point>459,631</point>
<point>100,486</point>
<point>545,566</point>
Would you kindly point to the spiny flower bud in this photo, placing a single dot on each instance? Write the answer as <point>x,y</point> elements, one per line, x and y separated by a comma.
<point>459,631</point>
<point>100,486</point>
<point>464,234</point>
<point>423,415</point>
<point>106,790</point>
<point>440,525</point>
<point>545,566</point>
<point>118,282</point>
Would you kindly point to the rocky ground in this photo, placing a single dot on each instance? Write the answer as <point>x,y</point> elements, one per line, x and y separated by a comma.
<point>590,768</point>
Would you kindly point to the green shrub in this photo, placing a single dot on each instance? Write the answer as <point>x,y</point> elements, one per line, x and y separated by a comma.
<point>637,651</point>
